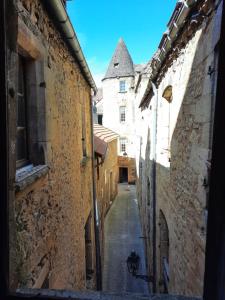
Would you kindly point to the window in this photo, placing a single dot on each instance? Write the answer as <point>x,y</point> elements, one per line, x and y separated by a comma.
<point>122,86</point>
<point>21,117</point>
<point>123,145</point>
<point>122,113</point>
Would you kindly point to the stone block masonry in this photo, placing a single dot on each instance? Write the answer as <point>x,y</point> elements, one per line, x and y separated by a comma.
<point>174,158</point>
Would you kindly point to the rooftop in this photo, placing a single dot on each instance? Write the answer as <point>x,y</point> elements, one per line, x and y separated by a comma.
<point>104,133</point>
<point>121,64</point>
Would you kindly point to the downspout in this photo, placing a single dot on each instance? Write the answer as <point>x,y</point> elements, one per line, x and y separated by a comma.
<point>96,221</point>
<point>154,189</point>
<point>59,14</point>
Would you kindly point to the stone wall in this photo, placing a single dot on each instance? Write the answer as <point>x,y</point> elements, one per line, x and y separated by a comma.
<point>51,211</point>
<point>183,153</point>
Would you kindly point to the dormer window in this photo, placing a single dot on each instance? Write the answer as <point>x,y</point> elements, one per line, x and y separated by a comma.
<point>116,65</point>
<point>122,86</point>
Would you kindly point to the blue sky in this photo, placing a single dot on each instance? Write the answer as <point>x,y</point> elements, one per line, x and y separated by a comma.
<point>99,25</point>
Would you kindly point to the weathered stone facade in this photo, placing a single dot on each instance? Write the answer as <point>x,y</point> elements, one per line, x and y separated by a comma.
<point>51,210</point>
<point>173,159</point>
<point>107,179</point>
<point>106,175</point>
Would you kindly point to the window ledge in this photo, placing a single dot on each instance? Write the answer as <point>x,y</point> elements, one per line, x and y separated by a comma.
<point>29,174</point>
<point>122,92</point>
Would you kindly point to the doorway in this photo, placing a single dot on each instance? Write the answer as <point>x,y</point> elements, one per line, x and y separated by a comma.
<point>123,175</point>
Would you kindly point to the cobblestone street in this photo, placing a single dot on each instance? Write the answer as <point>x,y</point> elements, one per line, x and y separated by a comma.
<point>122,235</point>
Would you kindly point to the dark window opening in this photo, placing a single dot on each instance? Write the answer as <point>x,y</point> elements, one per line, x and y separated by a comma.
<point>100,117</point>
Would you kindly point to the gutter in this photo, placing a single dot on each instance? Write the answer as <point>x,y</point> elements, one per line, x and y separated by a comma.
<point>59,14</point>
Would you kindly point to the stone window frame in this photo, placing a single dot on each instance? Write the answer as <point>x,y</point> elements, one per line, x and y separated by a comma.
<point>33,53</point>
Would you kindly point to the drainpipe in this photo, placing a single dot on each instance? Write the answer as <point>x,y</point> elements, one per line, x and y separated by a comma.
<point>154,188</point>
<point>96,217</point>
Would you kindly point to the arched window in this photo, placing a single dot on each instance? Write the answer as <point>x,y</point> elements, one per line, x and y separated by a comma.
<point>164,253</point>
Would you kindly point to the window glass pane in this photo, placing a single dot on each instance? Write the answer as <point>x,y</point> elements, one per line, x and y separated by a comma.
<point>123,143</point>
<point>122,86</point>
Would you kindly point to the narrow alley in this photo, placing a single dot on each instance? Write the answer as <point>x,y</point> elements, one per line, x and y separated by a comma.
<point>122,235</point>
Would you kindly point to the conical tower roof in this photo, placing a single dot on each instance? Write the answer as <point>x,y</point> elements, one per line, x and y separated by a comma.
<point>121,64</point>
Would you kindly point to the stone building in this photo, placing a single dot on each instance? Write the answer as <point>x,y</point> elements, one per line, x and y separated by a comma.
<point>174,156</point>
<point>118,87</point>
<point>98,106</point>
<point>106,173</point>
<point>52,237</point>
